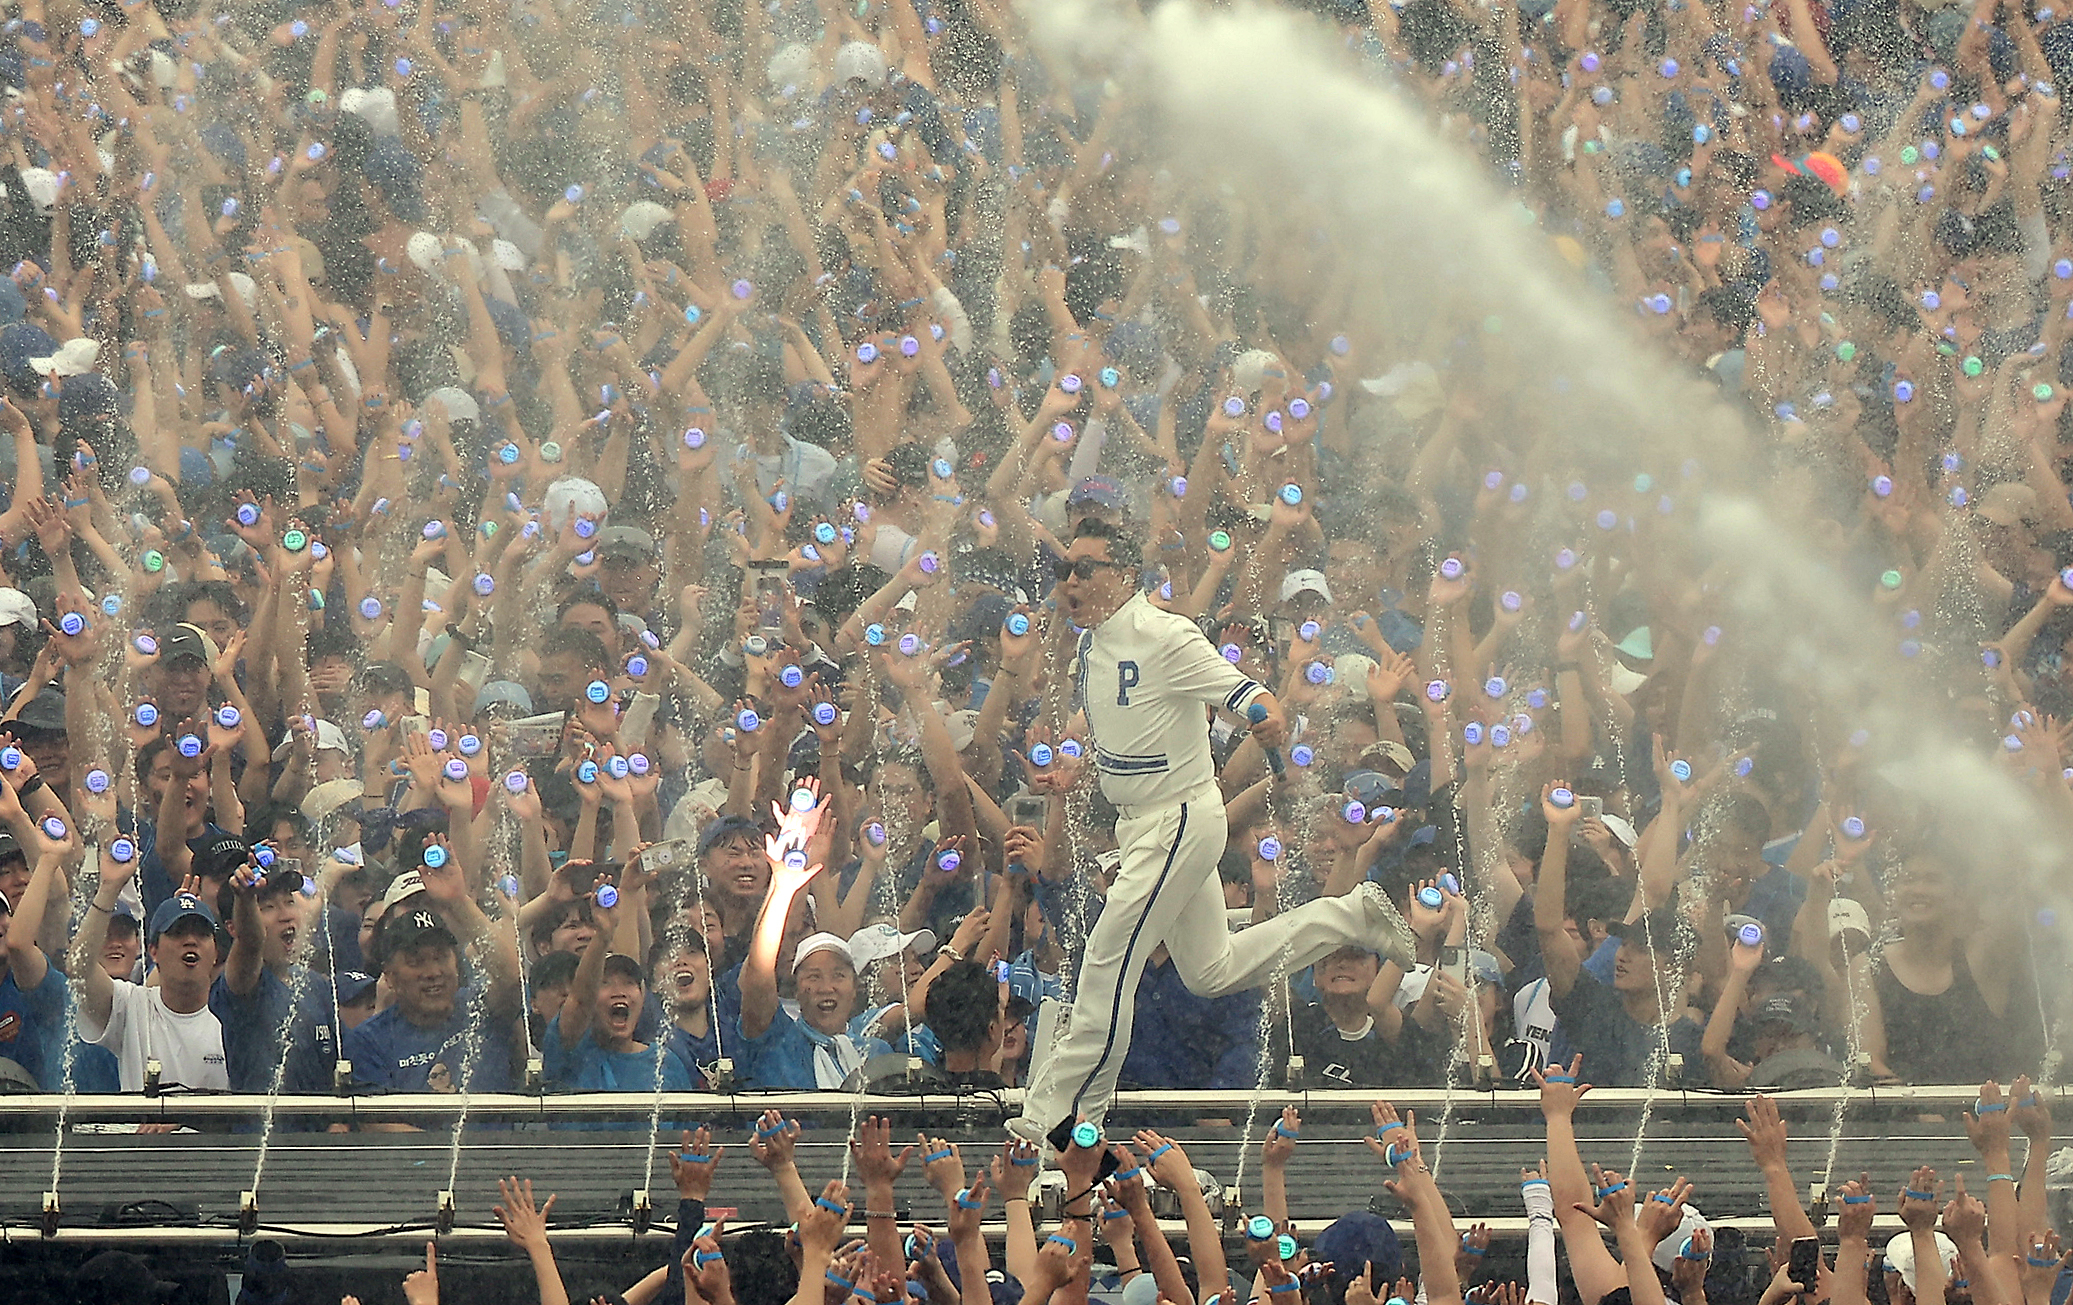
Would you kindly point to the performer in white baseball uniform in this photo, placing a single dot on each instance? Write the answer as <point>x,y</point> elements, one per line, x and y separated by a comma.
<point>1146,676</point>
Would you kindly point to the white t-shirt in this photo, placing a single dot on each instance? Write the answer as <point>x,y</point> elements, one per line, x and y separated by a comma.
<point>188,1048</point>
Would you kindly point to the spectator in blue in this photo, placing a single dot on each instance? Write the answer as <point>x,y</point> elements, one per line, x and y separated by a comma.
<point>440,1036</point>
<point>591,1044</point>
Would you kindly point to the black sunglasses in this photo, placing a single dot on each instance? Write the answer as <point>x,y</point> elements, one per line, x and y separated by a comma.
<point>1084,568</point>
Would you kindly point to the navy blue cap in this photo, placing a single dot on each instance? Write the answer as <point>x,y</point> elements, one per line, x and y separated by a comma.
<point>1356,1239</point>
<point>353,985</point>
<point>18,344</point>
<point>178,907</point>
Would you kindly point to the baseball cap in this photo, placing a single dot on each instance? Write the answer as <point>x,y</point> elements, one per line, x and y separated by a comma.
<point>185,640</point>
<point>74,357</point>
<point>44,713</point>
<point>353,985</point>
<point>225,853</point>
<point>329,796</point>
<point>1305,581</point>
<point>1102,491</point>
<point>508,693</point>
<point>17,608</point>
<point>408,931</point>
<point>1356,1239</point>
<point>626,541</point>
<point>875,942</point>
<point>1900,1256</point>
<point>1667,1250</point>
<point>330,738</point>
<point>571,497</point>
<point>407,884</point>
<point>178,907</point>
<point>1789,1009</point>
<point>1660,929</point>
<point>860,61</point>
<point>822,942</point>
<point>1372,788</point>
<point>10,847</point>
<point>726,827</point>
<point>1847,915</point>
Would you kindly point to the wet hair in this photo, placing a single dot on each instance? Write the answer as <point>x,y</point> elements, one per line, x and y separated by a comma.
<point>964,1002</point>
<point>589,596</point>
<point>554,970</point>
<point>542,933</point>
<point>1124,547</point>
<point>589,649</point>
<point>761,1269</point>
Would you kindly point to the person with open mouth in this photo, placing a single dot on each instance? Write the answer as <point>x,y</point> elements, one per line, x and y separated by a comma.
<point>169,1022</point>
<point>590,1045</point>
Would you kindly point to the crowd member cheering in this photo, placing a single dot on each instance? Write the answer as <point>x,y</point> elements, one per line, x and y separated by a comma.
<point>562,444</point>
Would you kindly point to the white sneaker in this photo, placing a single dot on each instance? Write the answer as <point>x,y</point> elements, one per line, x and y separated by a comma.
<point>1390,934</point>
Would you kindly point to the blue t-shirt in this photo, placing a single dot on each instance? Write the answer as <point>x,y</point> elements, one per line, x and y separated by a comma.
<point>589,1067</point>
<point>152,883</point>
<point>251,1029</point>
<point>32,1026</point>
<point>792,1055</point>
<point>693,1054</point>
<point>390,1052</point>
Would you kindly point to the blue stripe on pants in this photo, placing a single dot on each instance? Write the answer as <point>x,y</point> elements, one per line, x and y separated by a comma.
<point>1108,1044</point>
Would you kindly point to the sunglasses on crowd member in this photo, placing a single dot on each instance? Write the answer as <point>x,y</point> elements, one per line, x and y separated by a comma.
<point>1084,568</point>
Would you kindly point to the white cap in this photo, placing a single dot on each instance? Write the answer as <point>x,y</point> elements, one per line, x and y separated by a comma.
<point>17,608</point>
<point>377,104</point>
<point>1900,1255</point>
<point>1668,1249</point>
<point>74,357</point>
<point>860,61</point>
<point>1847,915</point>
<point>1621,830</point>
<point>424,250</point>
<point>402,886</point>
<point>1296,582</point>
<point>1249,369</point>
<point>507,256</point>
<point>571,497</point>
<point>328,797</point>
<point>330,738</point>
<point>459,404</point>
<point>822,942</point>
<point>791,65</point>
<point>164,72</point>
<point>642,217</point>
<point>42,185</point>
<point>875,942</point>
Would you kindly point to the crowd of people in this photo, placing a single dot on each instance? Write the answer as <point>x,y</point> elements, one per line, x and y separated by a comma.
<point>476,477</point>
<point>1107,1244</point>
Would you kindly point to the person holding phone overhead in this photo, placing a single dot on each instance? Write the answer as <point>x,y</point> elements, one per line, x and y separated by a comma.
<point>1144,677</point>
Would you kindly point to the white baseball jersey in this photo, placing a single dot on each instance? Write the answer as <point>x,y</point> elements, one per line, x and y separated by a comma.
<point>1145,676</point>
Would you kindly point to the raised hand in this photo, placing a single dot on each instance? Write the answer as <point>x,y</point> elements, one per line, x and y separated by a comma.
<point>1918,1199</point>
<point>692,1168</point>
<point>772,1140</point>
<point>524,1224</point>
<point>872,1152</point>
